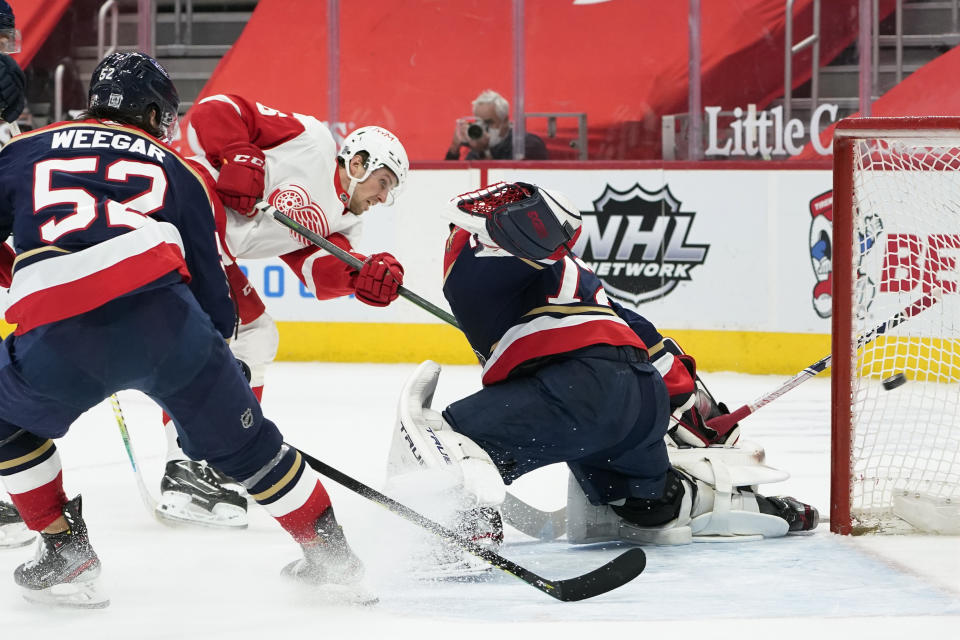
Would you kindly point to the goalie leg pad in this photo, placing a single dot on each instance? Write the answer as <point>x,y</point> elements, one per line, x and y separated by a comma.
<point>423,440</point>
<point>588,523</point>
<point>725,508</point>
<point>745,453</point>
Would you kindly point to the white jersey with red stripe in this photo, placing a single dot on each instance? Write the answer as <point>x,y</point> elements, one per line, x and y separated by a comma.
<point>301,180</point>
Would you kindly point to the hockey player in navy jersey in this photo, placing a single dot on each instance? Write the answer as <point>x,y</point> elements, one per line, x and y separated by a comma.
<point>567,378</point>
<point>13,533</point>
<point>117,285</point>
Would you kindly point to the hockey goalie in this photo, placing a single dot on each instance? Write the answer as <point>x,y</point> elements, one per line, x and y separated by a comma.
<point>569,376</point>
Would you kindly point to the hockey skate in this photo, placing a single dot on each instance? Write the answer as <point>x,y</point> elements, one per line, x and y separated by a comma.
<point>329,566</point>
<point>13,531</point>
<point>448,561</point>
<point>193,493</point>
<point>66,569</point>
<point>800,517</point>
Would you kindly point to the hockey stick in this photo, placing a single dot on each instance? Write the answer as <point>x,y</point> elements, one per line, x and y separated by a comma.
<point>350,259</point>
<point>611,575</point>
<point>523,517</point>
<point>542,524</point>
<point>725,422</point>
<point>148,501</point>
<point>528,520</point>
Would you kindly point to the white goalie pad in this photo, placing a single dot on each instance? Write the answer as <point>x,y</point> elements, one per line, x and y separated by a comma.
<point>588,523</point>
<point>256,344</point>
<point>423,441</point>
<point>745,453</point>
<point>726,509</point>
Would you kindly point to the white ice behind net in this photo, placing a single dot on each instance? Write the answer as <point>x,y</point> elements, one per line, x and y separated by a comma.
<point>905,440</point>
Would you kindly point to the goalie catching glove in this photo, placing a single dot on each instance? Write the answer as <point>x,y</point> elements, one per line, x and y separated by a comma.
<point>379,279</point>
<point>240,184</point>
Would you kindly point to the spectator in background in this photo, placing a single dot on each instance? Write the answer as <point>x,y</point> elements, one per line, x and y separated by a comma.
<point>489,135</point>
<point>11,76</point>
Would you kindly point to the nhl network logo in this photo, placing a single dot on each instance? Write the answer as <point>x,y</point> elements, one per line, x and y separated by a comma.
<point>636,243</point>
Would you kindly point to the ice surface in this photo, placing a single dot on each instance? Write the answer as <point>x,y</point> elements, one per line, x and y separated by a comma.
<point>193,583</point>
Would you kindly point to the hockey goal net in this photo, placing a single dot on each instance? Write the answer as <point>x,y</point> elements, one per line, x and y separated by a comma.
<point>896,310</point>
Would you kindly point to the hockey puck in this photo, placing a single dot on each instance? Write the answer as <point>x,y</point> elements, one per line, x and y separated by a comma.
<point>894,381</point>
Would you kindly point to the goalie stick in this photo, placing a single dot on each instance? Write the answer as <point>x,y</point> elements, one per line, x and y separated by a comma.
<point>726,421</point>
<point>615,573</point>
<point>527,519</point>
<point>543,524</point>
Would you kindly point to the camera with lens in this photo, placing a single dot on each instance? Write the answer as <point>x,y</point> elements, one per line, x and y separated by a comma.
<point>474,131</point>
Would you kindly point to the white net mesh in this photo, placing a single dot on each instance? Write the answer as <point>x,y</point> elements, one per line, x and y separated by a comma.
<point>905,440</point>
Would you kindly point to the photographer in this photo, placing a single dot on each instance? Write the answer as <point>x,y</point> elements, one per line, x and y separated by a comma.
<point>489,133</point>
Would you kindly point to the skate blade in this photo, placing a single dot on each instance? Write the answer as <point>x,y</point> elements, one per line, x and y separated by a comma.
<point>355,595</point>
<point>69,595</point>
<point>15,535</point>
<point>178,509</point>
<point>329,593</point>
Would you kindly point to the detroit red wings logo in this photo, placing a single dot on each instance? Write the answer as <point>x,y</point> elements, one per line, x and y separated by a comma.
<point>293,200</point>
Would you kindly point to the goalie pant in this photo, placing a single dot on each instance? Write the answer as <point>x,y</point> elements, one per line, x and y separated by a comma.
<point>158,341</point>
<point>601,409</point>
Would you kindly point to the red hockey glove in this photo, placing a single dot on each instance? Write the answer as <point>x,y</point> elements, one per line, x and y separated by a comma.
<point>379,279</point>
<point>240,184</point>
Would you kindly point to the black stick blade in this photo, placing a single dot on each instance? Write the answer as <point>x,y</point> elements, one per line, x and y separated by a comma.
<point>615,573</point>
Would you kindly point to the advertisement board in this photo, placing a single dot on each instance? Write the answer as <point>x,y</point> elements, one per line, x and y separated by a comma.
<point>733,261</point>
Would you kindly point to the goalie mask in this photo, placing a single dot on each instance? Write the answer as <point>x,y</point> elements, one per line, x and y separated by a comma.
<point>383,150</point>
<point>525,220</point>
<point>132,84</point>
<point>9,34</point>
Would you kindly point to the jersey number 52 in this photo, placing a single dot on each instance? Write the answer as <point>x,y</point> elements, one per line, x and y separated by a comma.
<point>129,213</point>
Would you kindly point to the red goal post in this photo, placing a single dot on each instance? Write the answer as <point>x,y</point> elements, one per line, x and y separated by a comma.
<point>895,459</point>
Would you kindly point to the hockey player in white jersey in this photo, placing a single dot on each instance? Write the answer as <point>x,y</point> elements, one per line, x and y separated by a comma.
<point>250,152</point>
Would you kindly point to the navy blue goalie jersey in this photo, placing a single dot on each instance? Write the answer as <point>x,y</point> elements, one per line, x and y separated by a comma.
<point>98,210</point>
<point>514,310</point>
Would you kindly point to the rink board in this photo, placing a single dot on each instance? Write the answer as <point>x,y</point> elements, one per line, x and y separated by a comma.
<point>744,301</point>
<point>737,288</point>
